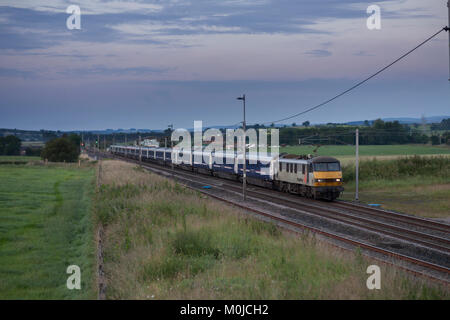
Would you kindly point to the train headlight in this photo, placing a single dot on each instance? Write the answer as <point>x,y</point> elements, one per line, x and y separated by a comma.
<point>338,180</point>
<point>319,180</point>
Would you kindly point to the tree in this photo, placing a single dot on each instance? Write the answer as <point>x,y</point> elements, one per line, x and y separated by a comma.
<point>10,145</point>
<point>435,140</point>
<point>306,124</point>
<point>378,124</point>
<point>35,152</point>
<point>48,135</point>
<point>76,140</point>
<point>59,150</point>
<point>446,137</point>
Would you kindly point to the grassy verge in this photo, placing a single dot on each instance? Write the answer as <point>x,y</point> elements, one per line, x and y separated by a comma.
<point>45,226</point>
<point>416,185</point>
<point>163,241</point>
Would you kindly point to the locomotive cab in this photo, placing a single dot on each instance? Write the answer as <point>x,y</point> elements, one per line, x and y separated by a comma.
<point>326,177</point>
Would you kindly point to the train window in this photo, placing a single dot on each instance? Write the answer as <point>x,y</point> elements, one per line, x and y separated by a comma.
<point>333,166</point>
<point>295,168</point>
<point>281,167</point>
<point>303,168</point>
<point>320,166</point>
<point>324,166</point>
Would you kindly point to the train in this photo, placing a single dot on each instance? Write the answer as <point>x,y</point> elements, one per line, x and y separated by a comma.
<point>316,177</point>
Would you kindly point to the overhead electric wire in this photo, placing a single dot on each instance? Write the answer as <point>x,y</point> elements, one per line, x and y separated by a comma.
<point>359,83</point>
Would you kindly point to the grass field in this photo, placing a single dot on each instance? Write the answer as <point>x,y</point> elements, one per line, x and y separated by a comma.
<point>386,150</point>
<point>18,159</point>
<point>418,196</point>
<point>163,241</point>
<point>45,226</point>
<point>33,143</point>
<point>416,185</point>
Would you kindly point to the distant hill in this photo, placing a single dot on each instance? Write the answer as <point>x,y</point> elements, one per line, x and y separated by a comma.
<point>434,119</point>
<point>35,135</point>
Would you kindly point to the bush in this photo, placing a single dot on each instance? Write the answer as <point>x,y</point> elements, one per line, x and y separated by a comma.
<point>198,243</point>
<point>402,167</point>
<point>59,150</point>
<point>33,152</point>
<point>10,145</point>
<point>435,140</point>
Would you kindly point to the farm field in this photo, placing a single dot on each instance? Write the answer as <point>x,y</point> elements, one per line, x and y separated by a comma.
<point>45,226</point>
<point>346,154</point>
<point>344,151</point>
<point>18,159</point>
<point>426,199</point>
<point>33,143</point>
<point>418,185</point>
<point>164,241</point>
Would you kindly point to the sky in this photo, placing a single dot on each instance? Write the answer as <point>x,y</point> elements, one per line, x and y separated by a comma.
<point>148,64</point>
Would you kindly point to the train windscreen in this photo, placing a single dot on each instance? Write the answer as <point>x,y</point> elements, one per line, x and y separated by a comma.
<point>327,166</point>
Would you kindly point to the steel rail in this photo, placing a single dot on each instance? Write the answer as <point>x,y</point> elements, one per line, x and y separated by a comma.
<point>417,221</point>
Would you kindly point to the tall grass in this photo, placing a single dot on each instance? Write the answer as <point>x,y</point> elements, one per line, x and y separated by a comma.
<point>164,241</point>
<point>399,168</point>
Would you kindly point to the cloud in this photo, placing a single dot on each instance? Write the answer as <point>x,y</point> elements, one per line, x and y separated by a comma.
<point>16,73</point>
<point>87,6</point>
<point>151,28</point>
<point>363,53</point>
<point>208,39</point>
<point>319,53</point>
<point>108,71</point>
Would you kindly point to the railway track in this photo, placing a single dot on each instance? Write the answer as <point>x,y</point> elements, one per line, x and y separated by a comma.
<point>422,244</point>
<point>412,220</point>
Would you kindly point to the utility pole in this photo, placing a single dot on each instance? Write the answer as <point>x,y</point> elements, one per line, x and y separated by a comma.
<point>98,143</point>
<point>140,150</point>
<point>126,150</point>
<point>165,147</point>
<point>357,166</point>
<point>244,173</point>
<point>171,145</point>
<point>448,30</point>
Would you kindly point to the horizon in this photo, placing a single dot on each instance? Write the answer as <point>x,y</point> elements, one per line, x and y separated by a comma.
<point>391,119</point>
